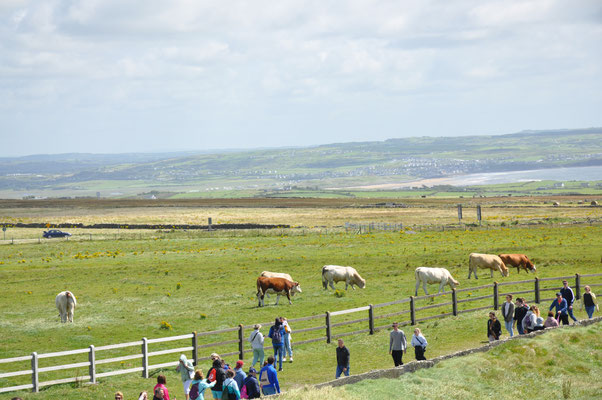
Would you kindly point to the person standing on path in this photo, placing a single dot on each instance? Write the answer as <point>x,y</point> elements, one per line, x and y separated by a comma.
<point>419,342</point>
<point>256,340</point>
<point>508,314</point>
<point>186,370</point>
<point>397,344</point>
<point>342,359</point>
<point>561,307</point>
<point>494,328</point>
<point>590,302</point>
<point>287,339</point>
<point>277,335</point>
<point>519,314</point>
<point>569,296</point>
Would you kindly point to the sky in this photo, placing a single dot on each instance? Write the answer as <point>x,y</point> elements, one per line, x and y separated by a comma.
<point>113,76</point>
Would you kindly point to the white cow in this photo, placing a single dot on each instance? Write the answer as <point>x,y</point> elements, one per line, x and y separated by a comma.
<point>336,273</point>
<point>486,261</point>
<point>434,275</point>
<point>65,302</point>
<point>269,274</point>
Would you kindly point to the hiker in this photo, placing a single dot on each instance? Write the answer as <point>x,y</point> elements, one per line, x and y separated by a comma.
<point>519,314</point>
<point>268,378</point>
<point>342,359</point>
<point>251,385</point>
<point>118,396</point>
<point>561,307</point>
<point>198,386</point>
<point>160,390</point>
<point>287,339</point>
<point>218,375</point>
<point>494,328</point>
<point>397,344</point>
<point>551,322</point>
<point>230,386</point>
<point>508,314</point>
<point>276,334</point>
<point>419,342</point>
<point>538,319</point>
<point>589,301</point>
<point>186,370</point>
<point>256,340</point>
<point>569,296</point>
<point>240,374</point>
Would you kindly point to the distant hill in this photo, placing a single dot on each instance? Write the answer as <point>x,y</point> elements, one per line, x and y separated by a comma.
<point>339,164</point>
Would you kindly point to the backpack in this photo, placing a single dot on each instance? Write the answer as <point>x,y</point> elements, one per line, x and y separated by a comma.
<point>159,393</point>
<point>243,392</point>
<point>264,378</point>
<point>195,392</point>
<point>527,322</point>
<point>276,336</point>
<point>227,394</point>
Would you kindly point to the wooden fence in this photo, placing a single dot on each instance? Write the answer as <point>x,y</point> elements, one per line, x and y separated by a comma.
<point>328,324</point>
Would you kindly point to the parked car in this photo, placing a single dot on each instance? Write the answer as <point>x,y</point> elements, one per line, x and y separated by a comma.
<point>54,233</point>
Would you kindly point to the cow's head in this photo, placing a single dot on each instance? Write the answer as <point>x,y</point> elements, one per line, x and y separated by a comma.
<point>359,281</point>
<point>505,271</point>
<point>453,283</point>
<point>296,288</point>
<point>531,266</point>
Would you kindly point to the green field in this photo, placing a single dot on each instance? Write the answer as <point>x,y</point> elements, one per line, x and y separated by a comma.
<point>126,288</point>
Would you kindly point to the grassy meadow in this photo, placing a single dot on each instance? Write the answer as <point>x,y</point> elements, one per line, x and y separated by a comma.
<point>134,284</point>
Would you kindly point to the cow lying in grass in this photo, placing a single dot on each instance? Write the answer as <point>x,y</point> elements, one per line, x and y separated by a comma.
<point>280,286</point>
<point>336,273</point>
<point>427,275</point>
<point>65,303</point>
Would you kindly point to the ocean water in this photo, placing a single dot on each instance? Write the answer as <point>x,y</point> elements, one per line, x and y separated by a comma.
<point>556,174</point>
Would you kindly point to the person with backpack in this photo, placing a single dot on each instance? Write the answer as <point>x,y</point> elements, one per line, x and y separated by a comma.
<point>230,388</point>
<point>186,370</point>
<point>198,386</point>
<point>256,340</point>
<point>250,386</point>
<point>519,314</point>
<point>288,348</point>
<point>494,328</point>
<point>160,391</point>
<point>218,375</point>
<point>276,334</point>
<point>530,320</point>
<point>268,378</point>
<point>419,342</point>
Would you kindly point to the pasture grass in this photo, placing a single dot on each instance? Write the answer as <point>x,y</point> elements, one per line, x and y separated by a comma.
<point>127,288</point>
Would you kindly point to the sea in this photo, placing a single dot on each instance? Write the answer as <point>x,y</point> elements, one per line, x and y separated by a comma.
<point>556,174</point>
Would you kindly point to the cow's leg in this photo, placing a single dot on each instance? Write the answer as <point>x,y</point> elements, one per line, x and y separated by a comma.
<point>288,296</point>
<point>424,287</point>
<point>70,315</point>
<point>277,298</point>
<point>492,272</point>
<point>417,286</point>
<point>258,298</point>
<point>442,286</point>
<point>470,272</point>
<point>331,283</point>
<point>63,316</point>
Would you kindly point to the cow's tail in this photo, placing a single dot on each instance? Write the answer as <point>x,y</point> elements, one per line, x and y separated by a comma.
<point>68,294</point>
<point>324,280</point>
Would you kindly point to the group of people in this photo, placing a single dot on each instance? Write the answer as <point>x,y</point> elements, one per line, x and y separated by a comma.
<point>280,334</point>
<point>529,319</point>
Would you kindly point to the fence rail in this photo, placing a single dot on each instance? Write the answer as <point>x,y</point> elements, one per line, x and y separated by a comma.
<point>326,325</point>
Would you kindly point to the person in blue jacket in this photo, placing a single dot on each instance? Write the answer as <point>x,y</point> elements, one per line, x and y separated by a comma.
<point>268,378</point>
<point>252,384</point>
<point>561,308</point>
<point>277,335</point>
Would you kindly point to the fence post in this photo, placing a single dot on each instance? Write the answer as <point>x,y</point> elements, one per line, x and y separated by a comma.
<point>577,286</point>
<point>454,301</point>
<point>328,337</point>
<point>412,311</point>
<point>495,296</point>
<point>371,319</point>
<point>34,373</point>
<point>92,367</point>
<point>195,349</point>
<point>145,358</point>
<point>537,296</point>
<point>241,349</point>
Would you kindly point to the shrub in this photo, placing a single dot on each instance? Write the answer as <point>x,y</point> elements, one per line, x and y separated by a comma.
<point>165,325</point>
<point>339,293</point>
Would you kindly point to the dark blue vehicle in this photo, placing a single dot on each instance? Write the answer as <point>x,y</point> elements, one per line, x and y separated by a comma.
<point>55,233</point>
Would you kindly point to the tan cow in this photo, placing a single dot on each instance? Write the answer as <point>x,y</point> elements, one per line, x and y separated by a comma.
<point>434,275</point>
<point>337,273</point>
<point>269,274</point>
<point>519,261</point>
<point>279,286</point>
<point>486,261</point>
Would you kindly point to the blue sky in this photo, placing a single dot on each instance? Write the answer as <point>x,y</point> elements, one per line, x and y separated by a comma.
<point>110,76</point>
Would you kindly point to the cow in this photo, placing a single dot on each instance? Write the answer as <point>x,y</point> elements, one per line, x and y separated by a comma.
<point>336,273</point>
<point>269,274</point>
<point>434,275</point>
<point>279,286</point>
<point>65,303</point>
<point>487,261</point>
<point>519,261</point>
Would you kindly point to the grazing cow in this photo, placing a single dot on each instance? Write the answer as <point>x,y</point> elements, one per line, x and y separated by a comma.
<point>65,302</point>
<point>487,261</point>
<point>269,274</point>
<point>336,273</point>
<point>434,275</point>
<point>279,286</point>
<point>519,261</point>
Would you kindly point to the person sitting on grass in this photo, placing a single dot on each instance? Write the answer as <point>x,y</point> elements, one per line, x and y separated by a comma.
<point>494,328</point>
<point>551,322</point>
<point>268,378</point>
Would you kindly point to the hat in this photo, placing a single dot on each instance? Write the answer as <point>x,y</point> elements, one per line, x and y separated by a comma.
<point>558,294</point>
<point>252,370</point>
<point>239,363</point>
<point>257,326</point>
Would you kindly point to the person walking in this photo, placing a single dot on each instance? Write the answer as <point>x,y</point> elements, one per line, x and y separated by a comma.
<point>508,314</point>
<point>590,302</point>
<point>342,359</point>
<point>186,370</point>
<point>569,296</point>
<point>268,378</point>
<point>561,307</point>
<point>419,342</point>
<point>494,328</point>
<point>276,334</point>
<point>256,340</point>
<point>287,339</point>
<point>252,384</point>
<point>397,344</point>
<point>240,375</point>
<point>519,314</point>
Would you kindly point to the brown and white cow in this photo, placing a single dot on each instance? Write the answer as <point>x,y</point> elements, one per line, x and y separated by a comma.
<point>280,286</point>
<point>519,261</point>
<point>486,261</point>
